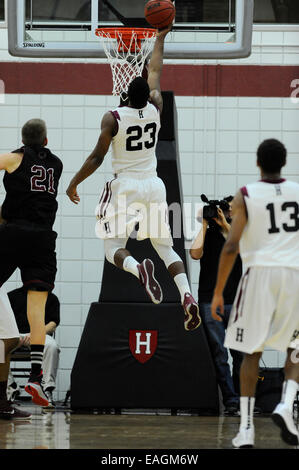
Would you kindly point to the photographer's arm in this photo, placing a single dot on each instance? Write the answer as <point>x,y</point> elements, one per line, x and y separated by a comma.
<point>196,250</point>
<point>222,222</point>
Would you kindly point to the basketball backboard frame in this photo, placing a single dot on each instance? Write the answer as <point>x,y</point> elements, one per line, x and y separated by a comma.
<point>20,46</point>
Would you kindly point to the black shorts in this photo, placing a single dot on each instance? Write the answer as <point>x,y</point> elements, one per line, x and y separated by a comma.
<point>30,249</point>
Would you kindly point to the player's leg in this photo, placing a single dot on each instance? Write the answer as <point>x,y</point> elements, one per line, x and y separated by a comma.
<point>215,332</point>
<point>176,269</point>
<point>9,339</point>
<point>36,307</point>
<point>283,413</point>
<point>117,254</point>
<point>38,271</point>
<point>248,380</point>
<point>50,367</point>
<point>286,331</point>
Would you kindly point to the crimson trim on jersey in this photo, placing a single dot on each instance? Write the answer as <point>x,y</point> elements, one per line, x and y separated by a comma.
<point>107,198</point>
<point>280,180</point>
<point>241,292</point>
<point>244,191</point>
<point>103,199</point>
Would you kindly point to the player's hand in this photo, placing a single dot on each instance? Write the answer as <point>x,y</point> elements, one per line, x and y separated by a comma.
<point>72,194</point>
<point>163,32</point>
<point>217,303</point>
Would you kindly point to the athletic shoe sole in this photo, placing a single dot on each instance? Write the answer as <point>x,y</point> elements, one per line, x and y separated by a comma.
<point>286,435</point>
<point>34,390</point>
<point>19,417</point>
<point>192,318</point>
<point>149,282</point>
<point>15,415</point>
<point>7,415</point>
<point>245,446</point>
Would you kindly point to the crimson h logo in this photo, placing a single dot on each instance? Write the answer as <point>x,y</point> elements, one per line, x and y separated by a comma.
<point>143,344</point>
<point>240,332</point>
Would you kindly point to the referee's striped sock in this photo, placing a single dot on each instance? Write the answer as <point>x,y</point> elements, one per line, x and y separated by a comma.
<point>36,355</point>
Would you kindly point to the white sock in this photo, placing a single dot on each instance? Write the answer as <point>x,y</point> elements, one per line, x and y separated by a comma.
<point>289,391</point>
<point>247,407</point>
<point>130,264</point>
<point>182,284</point>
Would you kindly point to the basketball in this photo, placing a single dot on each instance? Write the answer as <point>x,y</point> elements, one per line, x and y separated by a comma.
<point>159,13</point>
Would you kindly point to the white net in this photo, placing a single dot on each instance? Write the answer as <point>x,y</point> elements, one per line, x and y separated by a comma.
<point>127,55</point>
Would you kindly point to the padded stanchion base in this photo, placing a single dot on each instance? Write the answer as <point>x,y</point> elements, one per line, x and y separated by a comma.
<point>140,356</point>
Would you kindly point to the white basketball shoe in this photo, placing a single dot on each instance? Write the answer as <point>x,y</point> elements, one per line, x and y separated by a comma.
<point>244,439</point>
<point>283,418</point>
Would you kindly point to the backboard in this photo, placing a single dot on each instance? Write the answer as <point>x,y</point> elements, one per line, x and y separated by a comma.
<point>203,29</point>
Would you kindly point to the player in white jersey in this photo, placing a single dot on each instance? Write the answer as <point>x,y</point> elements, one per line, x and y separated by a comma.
<point>265,227</point>
<point>136,194</point>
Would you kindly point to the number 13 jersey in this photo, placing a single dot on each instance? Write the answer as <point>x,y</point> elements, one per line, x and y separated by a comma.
<point>134,145</point>
<point>271,236</point>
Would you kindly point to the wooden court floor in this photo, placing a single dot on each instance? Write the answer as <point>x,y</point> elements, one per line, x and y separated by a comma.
<point>66,430</point>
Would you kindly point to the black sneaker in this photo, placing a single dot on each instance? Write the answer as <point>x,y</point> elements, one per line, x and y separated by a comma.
<point>13,391</point>
<point>35,389</point>
<point>231,410</point>
<point>7,411</point>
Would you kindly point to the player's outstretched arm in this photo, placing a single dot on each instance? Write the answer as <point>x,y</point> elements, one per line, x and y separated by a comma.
<point>155,68</point>
<point>229,252</point>
<point>95,159</point>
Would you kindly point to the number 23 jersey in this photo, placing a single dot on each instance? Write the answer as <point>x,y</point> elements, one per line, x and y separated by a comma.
<point>271,235</point>
<point>31,190</point>
<point>134,145</point>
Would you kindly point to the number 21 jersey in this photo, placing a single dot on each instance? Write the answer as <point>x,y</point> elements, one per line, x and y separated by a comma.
<point>31,190</point>
<point>134,145</point>
<point>271,236</point>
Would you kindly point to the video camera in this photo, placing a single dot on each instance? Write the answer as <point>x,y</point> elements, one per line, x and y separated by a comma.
<point>210,211</point>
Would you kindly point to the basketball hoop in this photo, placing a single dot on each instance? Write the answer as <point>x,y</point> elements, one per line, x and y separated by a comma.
<point>127,50</point>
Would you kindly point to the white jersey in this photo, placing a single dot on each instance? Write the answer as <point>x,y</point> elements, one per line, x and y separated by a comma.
<point>134,145</point>
<point>271,235</point>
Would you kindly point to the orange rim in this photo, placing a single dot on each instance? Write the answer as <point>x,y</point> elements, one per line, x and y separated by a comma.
<point>125,34</point>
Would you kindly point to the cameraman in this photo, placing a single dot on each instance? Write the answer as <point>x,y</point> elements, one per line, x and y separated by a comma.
<point>207,247</point>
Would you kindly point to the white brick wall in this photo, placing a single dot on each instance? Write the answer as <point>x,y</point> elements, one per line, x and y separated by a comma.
<point>218,138</point>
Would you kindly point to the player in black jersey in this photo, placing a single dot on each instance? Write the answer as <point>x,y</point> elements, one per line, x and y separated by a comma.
<point>27,240</point>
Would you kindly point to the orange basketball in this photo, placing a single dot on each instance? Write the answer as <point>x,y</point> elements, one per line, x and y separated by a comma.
<point>159,13</point>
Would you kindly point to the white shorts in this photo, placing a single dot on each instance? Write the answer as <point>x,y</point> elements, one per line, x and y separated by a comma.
<point>8,325</point>
<point>265,310</point>
<point>128,200</point>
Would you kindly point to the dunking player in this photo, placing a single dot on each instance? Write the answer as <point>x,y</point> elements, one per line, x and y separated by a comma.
<point>133,131</point>
<point>265,312</point>
<point>27,240</point>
